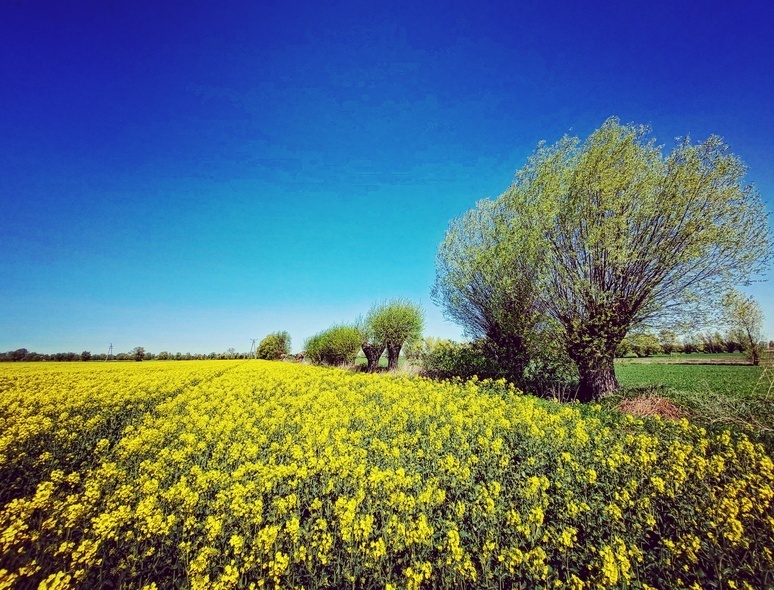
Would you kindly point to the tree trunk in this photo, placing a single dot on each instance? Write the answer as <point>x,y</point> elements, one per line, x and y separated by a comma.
<point>393,351</point>
<point>597,377</point>
<point>753,351</point>
<point>592,345</point>
<point>373,353</point>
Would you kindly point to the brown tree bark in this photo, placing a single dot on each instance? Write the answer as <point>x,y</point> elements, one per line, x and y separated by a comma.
<point>393,352</point>
<point>597,378</point>
<point>591,345</point>
<point>373,353</point>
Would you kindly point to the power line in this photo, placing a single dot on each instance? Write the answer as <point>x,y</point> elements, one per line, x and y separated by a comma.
<point>253,349</point>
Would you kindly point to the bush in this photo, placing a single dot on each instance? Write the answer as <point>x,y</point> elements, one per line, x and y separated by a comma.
<point>547,371</point>
<point>337,345</point>
<point>450,359</point>
<point>274,346</point>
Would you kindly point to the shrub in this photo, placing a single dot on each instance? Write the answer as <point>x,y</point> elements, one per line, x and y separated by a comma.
<point>548,369</point>
<point>337,345</point>
<point>450,359</point>
<point>274,346</point>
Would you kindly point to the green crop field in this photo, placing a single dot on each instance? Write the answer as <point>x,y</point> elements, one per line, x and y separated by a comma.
<point>720,394</point>
<point>734,380</point>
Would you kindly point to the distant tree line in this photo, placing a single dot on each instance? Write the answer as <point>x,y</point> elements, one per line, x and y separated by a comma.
<point>137,354</point>
<point>644,344</point>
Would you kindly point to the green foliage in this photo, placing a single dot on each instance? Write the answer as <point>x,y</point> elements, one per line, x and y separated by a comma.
<point>487,280</point>
<point>274,346</point>
<point>393,323</point>
<point>450,359</point>
<point>417,350</point>
<point>138,353</point>
<point>338,345</point>
<point>372,344</point>
<point>668,341</point>
<point>549,373</point>
<point>625,237</point>
<point>744,317</point>
<point>642,344</point>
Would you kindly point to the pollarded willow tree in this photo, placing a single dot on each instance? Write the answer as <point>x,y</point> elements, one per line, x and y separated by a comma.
<point>392,324</point>
<point>487,281</point>
<point>372,345</point>
<point>629,237</point>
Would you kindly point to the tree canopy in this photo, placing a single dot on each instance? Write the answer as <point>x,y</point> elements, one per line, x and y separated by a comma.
<point>274,346</point>
<point>488,271</point>
<point>604,236</point>
<point>393,323</point>
<point>337,345</point>
<point>744,317</point>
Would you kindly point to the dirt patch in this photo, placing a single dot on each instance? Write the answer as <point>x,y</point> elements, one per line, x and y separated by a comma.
<point>652,405</point>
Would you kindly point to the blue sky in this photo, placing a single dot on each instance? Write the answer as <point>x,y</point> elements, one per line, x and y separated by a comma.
<point>185,176</point>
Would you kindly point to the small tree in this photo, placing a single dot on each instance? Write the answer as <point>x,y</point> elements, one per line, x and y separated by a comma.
<point>86,355</point>
<point>745,320</point>
<point>643,344</point>
<point>338,345</point>
<point>138,353</point>
<point>372,346</point>
<point>393,323</point>
<point>274,346</point>
<point>668,341</point>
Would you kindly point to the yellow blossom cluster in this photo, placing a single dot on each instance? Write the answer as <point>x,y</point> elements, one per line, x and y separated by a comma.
<point>254,474</point>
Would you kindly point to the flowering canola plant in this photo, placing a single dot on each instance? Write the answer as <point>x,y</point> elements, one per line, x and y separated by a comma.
<point>252,474</point>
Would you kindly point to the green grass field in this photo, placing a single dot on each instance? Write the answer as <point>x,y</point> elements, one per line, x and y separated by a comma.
<point>714,395</point>
<point>732,380</point>
<point>699,358</point>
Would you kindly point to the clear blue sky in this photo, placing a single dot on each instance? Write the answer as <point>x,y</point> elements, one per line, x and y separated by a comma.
<point>185,176</point>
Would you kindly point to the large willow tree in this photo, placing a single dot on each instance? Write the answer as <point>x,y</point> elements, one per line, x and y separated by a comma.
<point>607,235</point>
<point>489,269</point>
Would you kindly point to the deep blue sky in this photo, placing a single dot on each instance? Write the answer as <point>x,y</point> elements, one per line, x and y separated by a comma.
<point>185,176</point>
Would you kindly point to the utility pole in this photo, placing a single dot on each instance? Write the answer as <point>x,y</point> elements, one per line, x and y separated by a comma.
<point>253,349</point>
<point>110,352</point>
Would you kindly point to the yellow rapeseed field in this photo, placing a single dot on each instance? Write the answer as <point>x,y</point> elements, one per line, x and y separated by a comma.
<point>250,474</point>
